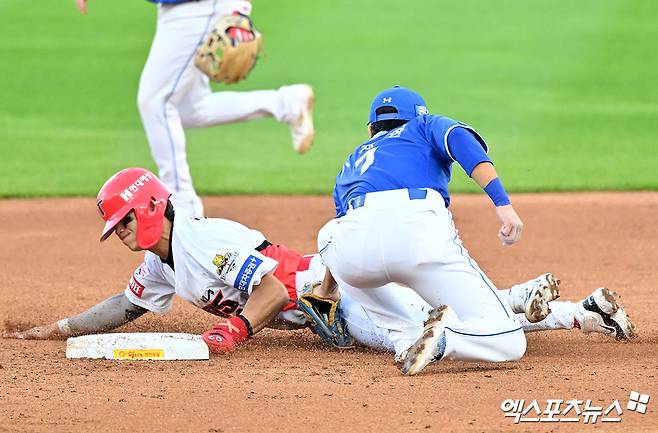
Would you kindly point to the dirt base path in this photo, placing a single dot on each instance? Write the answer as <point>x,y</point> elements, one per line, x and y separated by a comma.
<point>53,266</point>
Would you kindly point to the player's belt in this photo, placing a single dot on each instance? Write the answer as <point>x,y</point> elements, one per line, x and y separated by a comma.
<point>360,200</point>
<point>262,246</point>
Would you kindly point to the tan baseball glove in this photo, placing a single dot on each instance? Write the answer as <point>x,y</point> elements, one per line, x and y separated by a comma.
<point>231,49</point>
<point>326,318</point>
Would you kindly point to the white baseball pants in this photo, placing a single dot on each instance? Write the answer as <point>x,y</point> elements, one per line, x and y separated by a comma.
<point>392,238</point>
<point>174,94</point>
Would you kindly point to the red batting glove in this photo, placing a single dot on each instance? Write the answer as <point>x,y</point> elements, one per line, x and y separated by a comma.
<point>224,336</point>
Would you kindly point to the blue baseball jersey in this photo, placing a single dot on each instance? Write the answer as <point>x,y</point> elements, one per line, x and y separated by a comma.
<point>418,154</point>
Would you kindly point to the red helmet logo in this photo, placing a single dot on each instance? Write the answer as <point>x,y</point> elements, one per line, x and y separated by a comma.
<point>139,190</point>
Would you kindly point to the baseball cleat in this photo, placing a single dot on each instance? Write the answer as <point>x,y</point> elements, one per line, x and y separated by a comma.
<point>431,344</point>
<point>301,127</point>
<point>544,289</point>
<point>531,298</point>
<point>601,313</point>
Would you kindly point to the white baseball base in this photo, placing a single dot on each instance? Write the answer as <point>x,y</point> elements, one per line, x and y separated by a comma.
<point>138,346</point>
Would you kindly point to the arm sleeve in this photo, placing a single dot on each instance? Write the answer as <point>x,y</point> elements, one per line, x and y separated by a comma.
<point>105,316</point>
<point>465,148</point>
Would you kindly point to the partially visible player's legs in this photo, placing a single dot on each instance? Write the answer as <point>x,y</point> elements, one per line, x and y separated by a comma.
<point>384,303</point>
<point>390,313</point>
<point>167,75</point>
<point>532,297</point>
<point>471,321</point>
<point>599,313</point>
<point>393,238</point>
<point>362,328</point>
<point>562,316</point>
<point>391,317</point>
<point>521,298</point>
<point>388,317</point>
<point>393,332</point>
<point>481,327</point>
<point>594,314</point>
<point>292,105</point>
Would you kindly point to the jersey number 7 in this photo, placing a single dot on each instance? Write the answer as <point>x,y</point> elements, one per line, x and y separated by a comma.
<point>366,160</point>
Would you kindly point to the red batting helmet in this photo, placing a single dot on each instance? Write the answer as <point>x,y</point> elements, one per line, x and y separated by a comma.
<point>134,189</point>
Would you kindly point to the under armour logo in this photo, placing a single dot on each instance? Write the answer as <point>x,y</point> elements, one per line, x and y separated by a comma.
<point>387,100</point>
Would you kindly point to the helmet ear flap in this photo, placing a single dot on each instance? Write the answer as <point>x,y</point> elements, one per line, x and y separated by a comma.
<point>150,219</point>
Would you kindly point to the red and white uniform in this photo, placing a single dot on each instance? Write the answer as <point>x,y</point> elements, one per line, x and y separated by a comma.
<point>216,263</point>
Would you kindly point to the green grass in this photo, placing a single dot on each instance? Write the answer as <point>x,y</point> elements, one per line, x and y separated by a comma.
<point>564,92</point>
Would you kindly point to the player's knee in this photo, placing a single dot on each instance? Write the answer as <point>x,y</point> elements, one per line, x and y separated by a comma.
<point>325,233</point>
<point>149,103</point>
<point>517,346</point>
<point>195,119</point>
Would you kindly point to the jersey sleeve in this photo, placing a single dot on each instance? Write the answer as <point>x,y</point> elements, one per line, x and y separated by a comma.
<point>466,147</point>
<point>456,141</point>
<point>243,269</point>
<point>149,288</point>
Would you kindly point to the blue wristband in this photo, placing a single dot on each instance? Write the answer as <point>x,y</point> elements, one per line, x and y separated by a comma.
<point>496,193</point>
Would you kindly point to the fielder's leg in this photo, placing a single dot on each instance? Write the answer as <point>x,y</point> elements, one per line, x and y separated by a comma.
<point>168,74</point>
<point>292,105</point>
<point>533,297</point>
<point>470,320</point>
<point>388,311</point>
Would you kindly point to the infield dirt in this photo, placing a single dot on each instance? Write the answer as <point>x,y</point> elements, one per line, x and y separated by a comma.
<point>53,266</point>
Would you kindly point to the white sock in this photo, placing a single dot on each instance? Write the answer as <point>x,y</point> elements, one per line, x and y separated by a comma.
<point>562,317</point>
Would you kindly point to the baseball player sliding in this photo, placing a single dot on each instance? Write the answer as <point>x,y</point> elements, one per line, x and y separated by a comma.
<point>174,94</point>
<point>393,225</point>
<point>233,272</point>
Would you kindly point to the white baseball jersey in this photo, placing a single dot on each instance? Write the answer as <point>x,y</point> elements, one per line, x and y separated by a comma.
<point>215,265</point>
